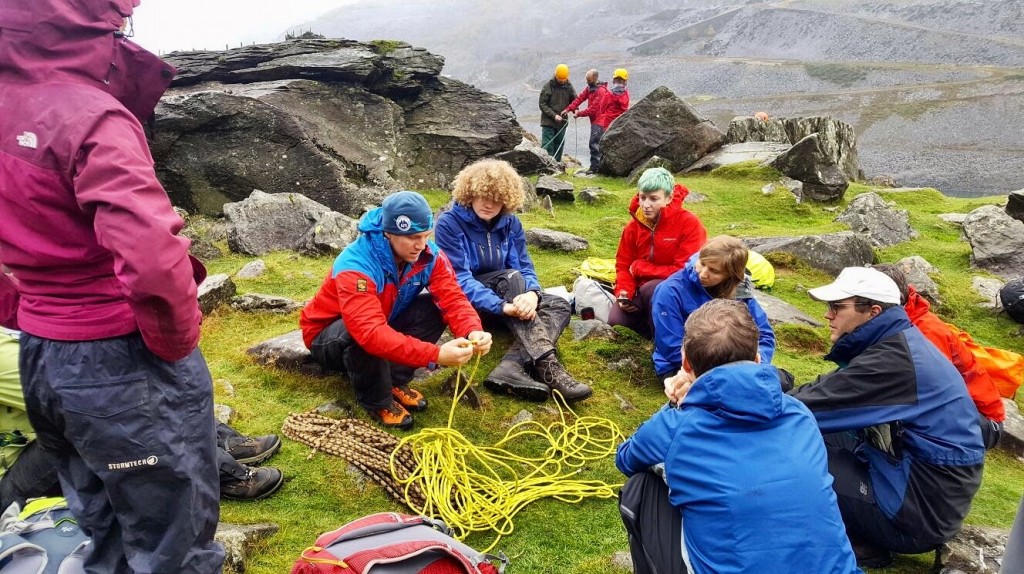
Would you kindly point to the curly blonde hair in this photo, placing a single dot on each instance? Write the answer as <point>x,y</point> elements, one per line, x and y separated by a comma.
<point>491,178</point>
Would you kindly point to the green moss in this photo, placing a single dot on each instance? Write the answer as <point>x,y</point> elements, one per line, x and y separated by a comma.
<point>385,47</point>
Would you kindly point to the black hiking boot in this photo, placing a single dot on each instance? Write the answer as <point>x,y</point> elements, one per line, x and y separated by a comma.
<point>252,449</point>
<point>259,483</point>
<point>869,556</point>
<point>553,374</point>
<point>509,377</point>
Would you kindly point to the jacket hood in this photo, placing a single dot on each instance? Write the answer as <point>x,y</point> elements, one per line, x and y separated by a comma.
<point>679,194</point>
<point>78,41</point>
<point>916,305</point>
<point>470,217</point>
<point>889,322</point>
<point>744,390</point>
<point>372,227</point>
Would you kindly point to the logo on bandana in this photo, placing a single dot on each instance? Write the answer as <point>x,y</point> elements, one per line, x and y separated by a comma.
<point>403,223</point>
<point>361,285</point>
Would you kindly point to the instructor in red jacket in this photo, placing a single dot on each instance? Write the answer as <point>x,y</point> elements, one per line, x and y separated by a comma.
<point>372,319</point>
<point>658,240</point>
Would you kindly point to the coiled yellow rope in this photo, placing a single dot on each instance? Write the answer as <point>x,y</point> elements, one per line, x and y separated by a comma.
<point>479,489</point>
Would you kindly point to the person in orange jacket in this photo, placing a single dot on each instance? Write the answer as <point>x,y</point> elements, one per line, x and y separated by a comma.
<point>980,386</point>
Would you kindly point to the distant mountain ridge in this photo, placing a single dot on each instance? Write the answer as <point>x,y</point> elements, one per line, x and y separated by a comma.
<point>934,88</point>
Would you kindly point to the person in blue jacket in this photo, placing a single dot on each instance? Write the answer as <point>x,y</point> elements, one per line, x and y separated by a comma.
<point>748,488</point>
<point>485,243</point>
<point>714,272</point>
<point>903,438</point>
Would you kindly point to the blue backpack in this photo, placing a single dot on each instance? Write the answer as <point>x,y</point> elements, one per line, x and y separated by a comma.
<point>41,539</point>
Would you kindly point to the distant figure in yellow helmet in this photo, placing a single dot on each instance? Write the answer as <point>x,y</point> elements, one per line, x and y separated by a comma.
<point>555,96</point>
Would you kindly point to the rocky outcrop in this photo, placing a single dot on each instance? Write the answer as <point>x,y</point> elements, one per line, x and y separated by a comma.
<point>267,222</point>
<point>653,161</point>
<point>1012,440</point>
<point>739,152</point>
<point>660,124</point>
<point>837,139</point>
<point>988,289</point>
<point>997,241</point>
<point>975,549</point>
<point>1015,205</point>
<point>808,163</point>
<point>259,302</point>
<point>329,119</point>
<point>868,213</point>
<point>529,158</point>
<point>779,311</point>
<point>239,540</point>
<point>555,240</point>
<point>555,188</point>
<point>285,352</point>
<point>831,252</point>
<point>918,272</point>
<point>214,291</point>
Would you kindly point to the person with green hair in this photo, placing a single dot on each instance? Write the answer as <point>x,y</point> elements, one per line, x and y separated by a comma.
<point>658,240</point>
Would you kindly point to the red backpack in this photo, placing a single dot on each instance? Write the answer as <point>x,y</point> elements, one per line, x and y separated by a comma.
<point>393,543</point>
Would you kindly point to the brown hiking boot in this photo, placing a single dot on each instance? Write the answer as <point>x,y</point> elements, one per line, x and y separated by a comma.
<point>553,374</point>
<point>252,449</point>
<point>393,416</point>
<point>510,377</point>
<point>411,399</point>
<point>259,483</point>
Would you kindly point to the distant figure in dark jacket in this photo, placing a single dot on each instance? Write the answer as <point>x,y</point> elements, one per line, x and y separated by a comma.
<point>748,489</point>
<point>902,433</point>
<point>555,96</point>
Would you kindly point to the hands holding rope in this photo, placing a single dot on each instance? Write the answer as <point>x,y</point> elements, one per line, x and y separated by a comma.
<point>458,352</point>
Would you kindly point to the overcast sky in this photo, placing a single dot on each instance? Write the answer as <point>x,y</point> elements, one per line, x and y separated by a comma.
<point>163,26</point>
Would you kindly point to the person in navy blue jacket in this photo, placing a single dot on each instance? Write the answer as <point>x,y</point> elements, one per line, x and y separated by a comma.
<point>714,272</point>
<point>748,489</point>
<point>485,243</point>
<point>903,438</point>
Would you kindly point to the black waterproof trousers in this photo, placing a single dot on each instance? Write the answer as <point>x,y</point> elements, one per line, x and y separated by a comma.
<point>654,526</point>
<point>536,338</point>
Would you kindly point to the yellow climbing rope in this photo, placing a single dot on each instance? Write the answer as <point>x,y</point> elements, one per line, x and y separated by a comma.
<point>479,489</point>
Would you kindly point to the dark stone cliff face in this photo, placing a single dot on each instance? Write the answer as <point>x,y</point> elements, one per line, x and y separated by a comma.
<point>338,121</point>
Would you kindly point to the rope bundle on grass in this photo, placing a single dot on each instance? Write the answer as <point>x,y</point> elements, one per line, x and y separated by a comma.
<point>367,448</point>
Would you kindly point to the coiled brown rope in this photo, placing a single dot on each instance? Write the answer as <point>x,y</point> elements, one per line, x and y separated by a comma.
<point>365,447</point>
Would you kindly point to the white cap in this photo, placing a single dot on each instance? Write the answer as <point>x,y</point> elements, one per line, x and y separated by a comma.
<point>859,282</point>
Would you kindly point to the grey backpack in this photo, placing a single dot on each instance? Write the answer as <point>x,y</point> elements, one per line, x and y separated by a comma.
<point>42,539</point>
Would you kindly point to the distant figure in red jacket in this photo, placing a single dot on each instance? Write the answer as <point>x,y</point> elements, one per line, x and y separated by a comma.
<point>980,386</point>
<point>594,95</point>
<point>657,242</point>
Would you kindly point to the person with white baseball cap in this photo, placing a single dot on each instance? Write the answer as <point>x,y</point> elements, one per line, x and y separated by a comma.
<point>902,434</point>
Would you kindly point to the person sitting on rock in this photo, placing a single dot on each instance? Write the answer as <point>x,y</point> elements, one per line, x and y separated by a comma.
<point>748,488</point>
<point>901,431</point>
<point>715,272</point>
<point>980,386</point>
<point>372,320</point>
<point>484,240</point>
<point>29,471</point>
<point>658,240</point>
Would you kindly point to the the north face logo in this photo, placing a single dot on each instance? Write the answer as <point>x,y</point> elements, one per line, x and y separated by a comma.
<point>28,139</point>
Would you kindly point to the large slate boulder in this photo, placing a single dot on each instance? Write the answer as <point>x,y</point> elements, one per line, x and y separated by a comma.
<point>837,138</point>
<point>918,272</point>
<point>214,291</point>
<point>325,118</point>
<point>268,222</point>
<point>808,163</point>
<point>781,312</point>
<point>831,252</point>
<point>997,241</point>
<point>660,124</point>
<point>1012,440</point>
<point>555,188</point>
<point>868,213</point>
<point>286,352</point>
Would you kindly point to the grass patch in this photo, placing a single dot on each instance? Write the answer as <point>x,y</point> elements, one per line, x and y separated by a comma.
<point>844,75</point>
<point>321,493</point>
<point>385,47</point>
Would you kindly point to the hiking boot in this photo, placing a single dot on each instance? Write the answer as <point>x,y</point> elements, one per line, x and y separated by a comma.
<point>411,399</point>
<point>259,483</point>
<point>509,377</point>
<point>553,374</point>
<point>869,556</point>
<point>393,416</point>
<point>252,449</point>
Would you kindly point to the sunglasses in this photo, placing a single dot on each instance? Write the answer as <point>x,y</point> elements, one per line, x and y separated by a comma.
<point>835,307</point>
